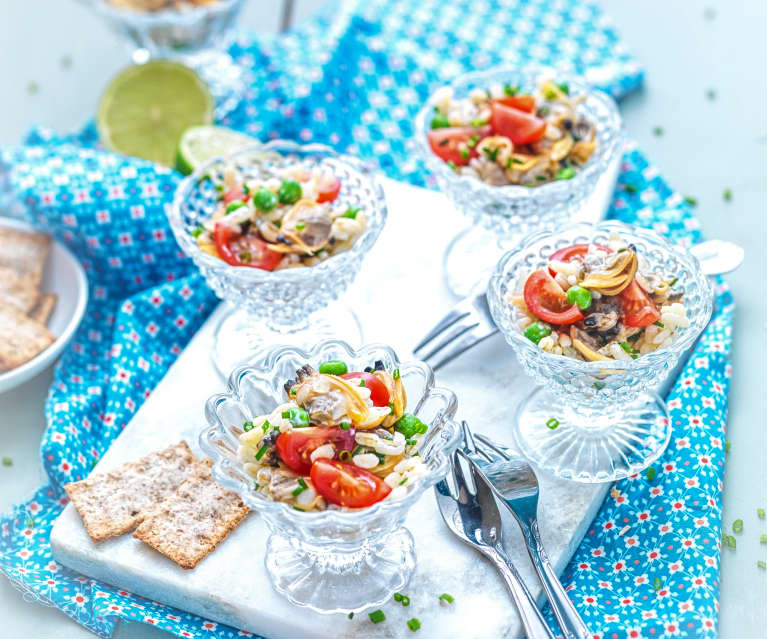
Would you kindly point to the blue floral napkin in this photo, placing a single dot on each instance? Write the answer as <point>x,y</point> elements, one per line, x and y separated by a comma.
<point>354,78</point>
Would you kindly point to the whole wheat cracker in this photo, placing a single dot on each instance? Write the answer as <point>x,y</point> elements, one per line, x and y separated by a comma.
<point>24,252</point>
<point>44,307</point>
<point>17,290</point>
<point>115,502</point>
<point>21,338</point>
<point>188,525</point>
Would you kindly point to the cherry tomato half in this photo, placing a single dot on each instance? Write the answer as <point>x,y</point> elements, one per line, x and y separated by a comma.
<point>448,143</point>
<point>547,301</point>
<point>519,126</point>
<point>379,394</point>
<point>569,253</point>
<point>244,250</point>
<point>346,484</point>
<point>235,193</point>
<point>295,446</point>
<point>637,309</point>
<point>524,103</point>
<point>329,191</point>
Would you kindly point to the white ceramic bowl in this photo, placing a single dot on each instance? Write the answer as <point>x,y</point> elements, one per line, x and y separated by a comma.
<point>63,276</point>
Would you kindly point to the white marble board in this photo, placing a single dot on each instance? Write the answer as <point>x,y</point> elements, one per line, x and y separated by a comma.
<point>398,296</point>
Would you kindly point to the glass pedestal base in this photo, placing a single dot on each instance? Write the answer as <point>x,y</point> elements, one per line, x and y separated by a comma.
<point>332,580</point>
<point>470,258</point>
<point>240,338</point>
<point>591,445</point>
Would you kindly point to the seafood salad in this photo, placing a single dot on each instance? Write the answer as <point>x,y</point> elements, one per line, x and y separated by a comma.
<point>503,135</point>
<point>341,439</point>
<point>289,219</point>
<point>600,302</point>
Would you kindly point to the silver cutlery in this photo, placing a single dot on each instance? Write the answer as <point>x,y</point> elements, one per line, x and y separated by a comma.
<point>513,481</point>
<point>472,514</point>
<point>469,322</point>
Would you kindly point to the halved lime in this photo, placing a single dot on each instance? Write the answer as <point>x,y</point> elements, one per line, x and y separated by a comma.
<point>200,143</point>
<point>147,107</point>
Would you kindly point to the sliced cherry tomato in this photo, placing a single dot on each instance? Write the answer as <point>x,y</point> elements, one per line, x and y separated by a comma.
<point>547,301</point>
<point>329,192</point>
<point>379,394</point>
<point>524,103</point>
<point>520,127</point>
<point>240,249</point>
<point>235,193</point>
<point>637,309</point>
<point>346,484</point>
<point>448,143</point>
<point>568,253</point>
<point>296,445</point>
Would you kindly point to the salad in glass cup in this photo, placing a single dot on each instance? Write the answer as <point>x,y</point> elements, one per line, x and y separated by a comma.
<point>279,231</point>
<point>333,461</point>
<point>516,150</point>
<point>598,315</point>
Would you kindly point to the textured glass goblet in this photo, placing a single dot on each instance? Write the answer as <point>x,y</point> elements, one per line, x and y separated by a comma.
<point>610,424</point>
<point>288,305</point>
<point>336,560</point>
<point>501,215</point>
<point>196,36</point>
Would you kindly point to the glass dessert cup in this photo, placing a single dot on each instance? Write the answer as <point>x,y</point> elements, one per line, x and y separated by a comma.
<point>336,560</point>
<point>501,215</point>
<point>288,305</point>
<point>610,423</point>
<point>197,36</point>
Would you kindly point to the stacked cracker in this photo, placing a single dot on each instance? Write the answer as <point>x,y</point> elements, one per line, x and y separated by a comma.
<point>24,310</point>
<point>170,495</point>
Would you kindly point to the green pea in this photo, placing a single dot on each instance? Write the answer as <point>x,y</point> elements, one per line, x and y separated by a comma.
<point>565,173</point>
<point>334,367</point>
<point>264,199</point>
<point>580,296</point>
<point>296,416</point>
<point>234,205</point>
<point>409,425</point>
<point>290,192</point>
<point>439,121</point>
<point>537,331</point>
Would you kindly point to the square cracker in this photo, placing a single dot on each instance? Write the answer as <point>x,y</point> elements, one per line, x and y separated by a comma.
<point>44,307</point>
<point>191,522</point>
<point>113,503</point>
<point>24,252</point>
<point>17,291</point>
<point>21,338</point>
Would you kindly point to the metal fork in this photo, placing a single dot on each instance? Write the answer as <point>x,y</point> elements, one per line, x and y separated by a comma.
<point>466,325</point>
<point>472,515</point>
<point>513,481</point>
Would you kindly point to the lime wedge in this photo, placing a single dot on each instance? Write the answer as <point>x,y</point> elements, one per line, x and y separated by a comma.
<point>200,143</point>
<point>147,107</point>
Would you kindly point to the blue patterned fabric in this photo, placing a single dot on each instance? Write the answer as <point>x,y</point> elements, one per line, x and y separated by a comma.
<point>354,78</point>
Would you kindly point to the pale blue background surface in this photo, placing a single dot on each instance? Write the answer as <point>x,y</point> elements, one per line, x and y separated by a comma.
<point>708,145</point>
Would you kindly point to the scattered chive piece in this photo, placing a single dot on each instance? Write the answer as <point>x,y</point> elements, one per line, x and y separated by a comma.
<point>299,509</point>
<point>630,188</point>
<point>552,423</point>
<point>599,385</point>
<point>659,323</point>
<point>351,615</point>
<point>395,374</point>
<point>464,154</point>
<point>727,195</point>
<point>293,391</point>
<point>691,200</point>
<point>344,425</point>
<point>759,512</point>
<point>302,483</point>
<point>672,282</point>
<point>731,541</point>
<point>657,584</point>
<point>377,616</point>
<point>626,347</point>
<point>634,337</point>
<point>657,130</point>
<point>397,597</point>
<point>30,523</point>
<point>362,382</point>
<point>651,473</point>
<point>357,449</point>
<point>198,231</point>
<point>403,481</point>
<point>261,451</point>
<point>266,425</point>
<point>565,173</point>
<point>247,426</point>
<point>452,165</point>
<point>410,442</point>
<point>711,94</point>
<point>510,90</point>
<point>381,458</point>
<point>564,87</point>
<point>446,597</point>
<point>737,526</point>
<point>492,154</point>
<point>405,600</point>
<point>413,624</point>
<point>763,539</point>
<point>7,461</point>
<point>298,491</point>
<point>351,213</point>
<point>761,564</point>
<point>727,446</point>
<point>300,226</point>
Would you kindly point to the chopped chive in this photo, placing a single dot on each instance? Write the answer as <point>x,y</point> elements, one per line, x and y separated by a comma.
<point>413,624</point>
<point>657,584</point>
<point>362,382</point>
<point>464,154</point>
<point>198,231</point>
<point>731,541</point>
<point>293,391</point>
<point>391,406</point>
<point>298,491</point>
<point>302,483</point>
<point>763,539</point>
<point>564,87</point>
<point>446,597</point>
<point>672,282</point>
<point>472,141</point>
<point>351,213</point>
<point>247,426</point>
<point>452,165</point>
<point>626,347</point>
<point>634,337</point>
<point>541,178</point>
<point>344,425</point>
<point>285,414</point>
<point>261,451</point>
<point>598,385</point>
<point>711,94</point>
<point>266,425</point>
<point>630,188</point>
<point>759,512</point>
<point>727,195</point>
<point>299,509</point>
<point>30,523</point>
<point>381,458</point>
<point>350,615</point>
<point>7,461</point>
<point>737,526</point>
<point>565,173</point>
<point>219,187</point>
<point>691,200</point>
<point>727,446</point>
<point>357,449</point>
<point>377,616</point>
<point>397,597</point>
<point>657,131</point>
<point>405,600</point>
<point>552,423</point>
<point>395,374</point>
<point>492,154</point>
<point>300,226</point>
<point>659,323</point>
<point>476,122</point>
<point>410,442</point>
<point>509,90</point>
<point>761,564</point>
<point>651,473</point>
<point>403,481</point>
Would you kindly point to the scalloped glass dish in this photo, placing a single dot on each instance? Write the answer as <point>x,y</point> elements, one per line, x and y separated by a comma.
<point>335,560</point>
<point>196,36</point>
<point>501,215</point>
<point>610,424</point>
<point>288,305</point>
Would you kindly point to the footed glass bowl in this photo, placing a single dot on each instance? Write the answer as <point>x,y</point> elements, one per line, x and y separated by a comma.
<point>501,215</point>
<point>288,305</point>
<point>611,425</point>
<point>338,560</point>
